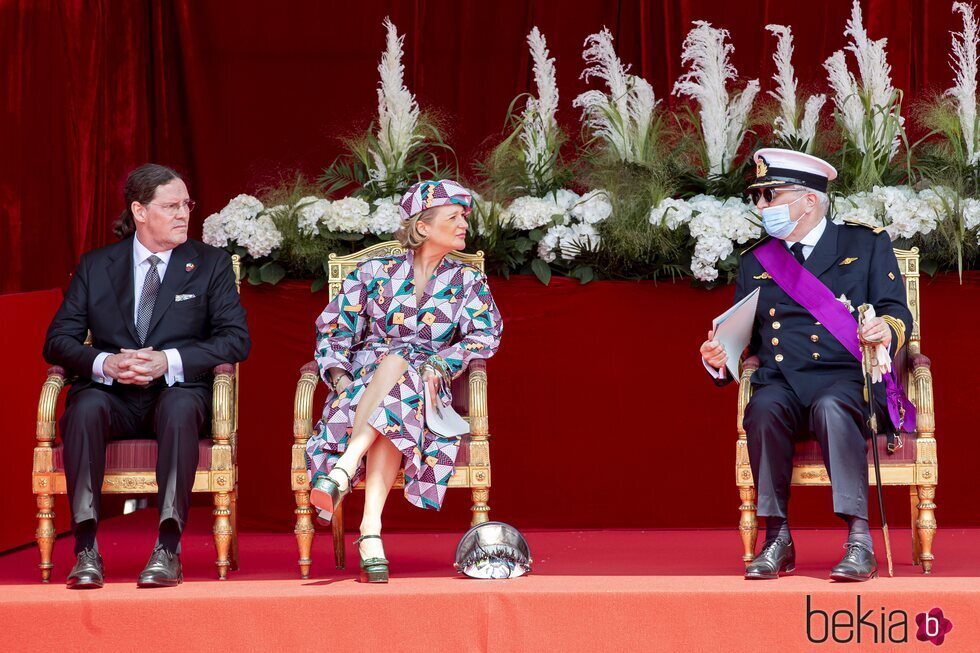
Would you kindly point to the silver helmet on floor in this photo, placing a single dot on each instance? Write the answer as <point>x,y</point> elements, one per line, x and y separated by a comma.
<point>493,550</point>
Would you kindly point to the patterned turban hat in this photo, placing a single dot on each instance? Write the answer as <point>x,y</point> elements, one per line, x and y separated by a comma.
<point>426,194</point>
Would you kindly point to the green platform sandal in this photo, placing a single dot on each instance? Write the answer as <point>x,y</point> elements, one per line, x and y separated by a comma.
<point>373,570</point>
<point>326,494</point>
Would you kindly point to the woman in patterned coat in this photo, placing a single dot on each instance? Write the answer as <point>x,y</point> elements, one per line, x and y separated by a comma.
<point>382,342</point>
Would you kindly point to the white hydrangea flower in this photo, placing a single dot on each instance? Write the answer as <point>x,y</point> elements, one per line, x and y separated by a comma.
<point>530,213</point>
<point>577,238</point>
<point>386,218</point>
<point>263,237</point>
<point>671,213</point>
<point>564,198</point>
<point>349,215</point>
<point>593,207</point>
<point>548,245</point>
<point>232,223</point>
<point>311,212</point>
<point>214,231</point>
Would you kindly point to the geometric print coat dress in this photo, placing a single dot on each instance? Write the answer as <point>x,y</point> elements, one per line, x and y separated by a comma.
<point>375,314</point>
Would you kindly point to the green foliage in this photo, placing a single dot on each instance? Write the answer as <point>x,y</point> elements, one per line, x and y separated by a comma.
<point>349,175</point>
<point>859,170</point>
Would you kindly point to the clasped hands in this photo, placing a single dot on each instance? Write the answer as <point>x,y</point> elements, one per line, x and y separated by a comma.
<point>136,366</point>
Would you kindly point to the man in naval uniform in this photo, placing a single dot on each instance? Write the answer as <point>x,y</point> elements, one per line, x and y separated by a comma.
<point>810,381</point>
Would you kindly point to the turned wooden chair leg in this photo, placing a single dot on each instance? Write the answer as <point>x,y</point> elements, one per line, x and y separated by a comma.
<point>926,525</point>
<point>222,532</point>
<point>916,547</point>
<point>337,525</point>
<point>480,509</point>
<point>304,531</point>
<point>748,525</point>
<point>234,530</point>
<point>45,534</point>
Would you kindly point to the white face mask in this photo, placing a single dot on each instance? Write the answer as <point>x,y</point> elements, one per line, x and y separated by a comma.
<point>776,220</point>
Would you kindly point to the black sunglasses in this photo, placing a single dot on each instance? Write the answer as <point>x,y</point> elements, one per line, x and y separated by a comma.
<point>768,193</point>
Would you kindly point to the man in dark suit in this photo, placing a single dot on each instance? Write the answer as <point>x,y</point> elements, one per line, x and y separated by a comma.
<point>809,383</point>
<point>162,311</point>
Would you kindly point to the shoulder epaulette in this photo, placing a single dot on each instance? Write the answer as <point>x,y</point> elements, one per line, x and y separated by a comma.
<point>754,245</point>
<point>857,223</point>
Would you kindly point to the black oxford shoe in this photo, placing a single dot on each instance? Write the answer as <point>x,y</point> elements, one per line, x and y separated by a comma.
<point>163,570</point>
<point>87,573</point>
<point>858,564</point>
<point>777,555</point>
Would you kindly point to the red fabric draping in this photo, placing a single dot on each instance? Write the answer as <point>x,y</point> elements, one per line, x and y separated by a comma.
<point>601,414</point>
<point>233,92</point>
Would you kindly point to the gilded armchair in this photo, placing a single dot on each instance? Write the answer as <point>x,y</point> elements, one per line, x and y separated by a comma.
<point>131,464</point>
<point>469,399</point>
<point>914,465</point>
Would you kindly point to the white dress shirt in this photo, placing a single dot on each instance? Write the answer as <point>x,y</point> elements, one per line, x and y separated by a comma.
<point>809,242</point>
<point>141,266</point>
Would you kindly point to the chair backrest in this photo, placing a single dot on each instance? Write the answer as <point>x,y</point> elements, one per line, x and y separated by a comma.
<point>908,265</point>
<point>341,266</point>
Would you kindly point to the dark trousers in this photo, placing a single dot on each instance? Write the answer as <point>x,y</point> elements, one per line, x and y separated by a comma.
<point>775,419</point>
<point>174,416</point>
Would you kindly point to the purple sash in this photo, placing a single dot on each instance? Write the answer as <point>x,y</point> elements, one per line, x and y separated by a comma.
<point>810,293</point>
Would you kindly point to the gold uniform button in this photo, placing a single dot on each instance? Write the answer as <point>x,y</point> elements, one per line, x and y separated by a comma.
<point>772,312</point>
<point>814,338</point>
<point>775,325</point>
<point>816,356</point>
<point>779,358</point>
<point>775,342</point>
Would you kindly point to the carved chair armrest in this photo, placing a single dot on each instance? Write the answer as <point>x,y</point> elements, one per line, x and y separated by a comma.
<point>749,366</point>
<point>223,403</point>
<point>47,406</point>
<point>925,415</point>
<point>309,377</point>
<point>477,377</point>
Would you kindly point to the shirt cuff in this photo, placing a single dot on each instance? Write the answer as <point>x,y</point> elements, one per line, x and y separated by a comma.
<point>715,372</point>
<point>98,375</point>
<point>175,367</point>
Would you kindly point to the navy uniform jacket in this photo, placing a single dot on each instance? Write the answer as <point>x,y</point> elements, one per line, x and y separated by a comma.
<point>852,260</point>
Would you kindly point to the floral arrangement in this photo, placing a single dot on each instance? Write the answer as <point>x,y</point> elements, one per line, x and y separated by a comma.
<point>641,197</point>
<point>791,129</point>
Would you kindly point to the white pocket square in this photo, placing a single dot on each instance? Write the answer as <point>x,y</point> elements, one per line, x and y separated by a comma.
<point>181,298</point>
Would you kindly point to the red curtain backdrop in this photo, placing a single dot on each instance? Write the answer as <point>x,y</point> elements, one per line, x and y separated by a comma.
<point>235,92</point>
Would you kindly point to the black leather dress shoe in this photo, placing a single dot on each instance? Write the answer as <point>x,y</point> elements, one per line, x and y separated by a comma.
<point>87,574</point>
<point>163,570</point>
<point>777,555</point>
<point>858,564</point>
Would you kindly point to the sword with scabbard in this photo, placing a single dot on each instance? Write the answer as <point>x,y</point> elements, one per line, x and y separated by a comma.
<point>868,362</point>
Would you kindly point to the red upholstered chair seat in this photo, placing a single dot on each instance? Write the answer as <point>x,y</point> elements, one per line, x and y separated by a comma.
<point>807,452</point>
<point>137,456</point>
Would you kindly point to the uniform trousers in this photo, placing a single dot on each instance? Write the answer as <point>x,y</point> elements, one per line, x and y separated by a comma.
<point>97,414</point>
<point>775,419</point>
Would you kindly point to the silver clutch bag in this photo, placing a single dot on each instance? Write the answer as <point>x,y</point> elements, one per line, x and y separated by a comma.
<point>493,550</point>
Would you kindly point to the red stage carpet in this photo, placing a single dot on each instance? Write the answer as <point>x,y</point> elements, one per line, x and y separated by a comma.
<point>665,590</point>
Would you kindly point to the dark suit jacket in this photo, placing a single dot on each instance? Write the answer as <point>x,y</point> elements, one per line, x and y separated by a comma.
<point>851,260</point>
<point>207,330</point>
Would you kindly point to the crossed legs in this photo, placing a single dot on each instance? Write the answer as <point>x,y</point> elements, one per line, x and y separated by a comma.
<point>383,458</point>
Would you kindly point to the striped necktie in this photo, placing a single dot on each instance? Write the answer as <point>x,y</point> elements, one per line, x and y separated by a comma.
<point>148,298</point>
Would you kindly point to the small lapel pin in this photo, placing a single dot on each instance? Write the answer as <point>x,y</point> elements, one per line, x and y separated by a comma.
<point>848,261</point>
<point>764,275</point>
<point>189,267</point>
<point>891,275</point>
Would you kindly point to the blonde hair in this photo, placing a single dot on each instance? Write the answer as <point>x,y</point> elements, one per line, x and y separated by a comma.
<point>408,234</point>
